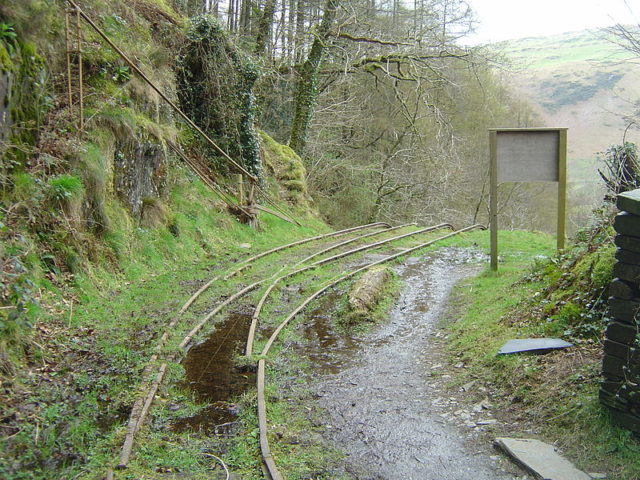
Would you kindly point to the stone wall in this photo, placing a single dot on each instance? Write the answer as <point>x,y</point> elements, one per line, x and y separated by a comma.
<point>620,389</point>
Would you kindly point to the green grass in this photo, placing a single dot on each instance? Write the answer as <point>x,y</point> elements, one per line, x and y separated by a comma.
<point>554,395</point>
<point>100,333</point>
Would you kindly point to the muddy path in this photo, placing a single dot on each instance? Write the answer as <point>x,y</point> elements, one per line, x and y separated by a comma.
<point>381,407</point>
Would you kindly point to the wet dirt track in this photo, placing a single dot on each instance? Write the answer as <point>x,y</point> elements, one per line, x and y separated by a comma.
<point>379,405</point>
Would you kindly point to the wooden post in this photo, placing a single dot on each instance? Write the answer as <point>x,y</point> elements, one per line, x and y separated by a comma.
<point>562,187</point>
<point>240,189</point>
<point>80,79</point>
<point>67,39</point>
<point>493,197</point>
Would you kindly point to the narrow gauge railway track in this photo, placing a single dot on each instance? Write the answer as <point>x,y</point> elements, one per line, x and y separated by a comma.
<point>143,403</point>
<point>151,381</point>
<point>265,449</point>
<point>274,284</point>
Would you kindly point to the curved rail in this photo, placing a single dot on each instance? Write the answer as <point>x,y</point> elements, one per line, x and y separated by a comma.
<point>258,309</point>
<point>262,409</point>
<point>143,403</point>
<point>351,240</point>
<point>246,263</point>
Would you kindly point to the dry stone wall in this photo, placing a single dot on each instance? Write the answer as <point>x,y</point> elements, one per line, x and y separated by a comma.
<point>620,389</point>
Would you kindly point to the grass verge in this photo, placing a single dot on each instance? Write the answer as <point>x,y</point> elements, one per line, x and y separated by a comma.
<point>553,397</point>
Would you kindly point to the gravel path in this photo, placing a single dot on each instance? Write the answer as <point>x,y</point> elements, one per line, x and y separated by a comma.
<point>381,409</point>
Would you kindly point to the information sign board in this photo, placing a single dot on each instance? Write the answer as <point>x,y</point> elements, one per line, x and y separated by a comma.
<point>527,155</point>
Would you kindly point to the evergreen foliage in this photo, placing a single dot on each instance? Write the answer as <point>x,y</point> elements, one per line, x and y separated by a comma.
<point>216,82</point>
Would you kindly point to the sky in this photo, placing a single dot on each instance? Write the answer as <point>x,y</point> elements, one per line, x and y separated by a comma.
<point>509,19</point>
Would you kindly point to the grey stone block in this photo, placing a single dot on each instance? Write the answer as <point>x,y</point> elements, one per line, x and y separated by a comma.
<point>627,224</point>
<point>627,242</point>
<point>616,349</point>
<point>611,386</point>
<point>613,367</point>
<point>606,398</point>
<point>629,201</point>
<point>625,271</point>
<point>621,333</point>
<point>627,256</point>
<point>624,310</point>
<point>627,420</point>
<point>624,290</point>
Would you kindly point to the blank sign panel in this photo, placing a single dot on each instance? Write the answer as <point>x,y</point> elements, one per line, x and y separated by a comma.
<point>527,156</point>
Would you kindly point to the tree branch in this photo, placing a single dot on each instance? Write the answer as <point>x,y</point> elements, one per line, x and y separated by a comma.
<point>353,38</point>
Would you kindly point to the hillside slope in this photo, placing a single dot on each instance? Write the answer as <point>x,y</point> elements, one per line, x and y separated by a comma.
<point>583,81</point>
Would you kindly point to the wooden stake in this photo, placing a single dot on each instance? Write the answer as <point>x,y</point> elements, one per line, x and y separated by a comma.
<point>493,197</point>
<point>240,189</point>
<point>67,39</point>
<point>80,79</point>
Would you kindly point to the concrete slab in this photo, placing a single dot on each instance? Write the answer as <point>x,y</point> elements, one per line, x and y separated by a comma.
<point>533,345</point>
<point>540,459</point>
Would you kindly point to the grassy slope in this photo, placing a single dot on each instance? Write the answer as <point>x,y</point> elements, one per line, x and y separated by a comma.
<point>92,340</point>
<point>555,396</point>
<point>555,50</point>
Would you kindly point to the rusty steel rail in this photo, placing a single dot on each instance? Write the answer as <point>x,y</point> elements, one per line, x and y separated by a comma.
<point>351,240</point>
<point>246,263</point>
<point>262,408</point>
<point>258,309</point>
<point>318,237</point>
<point>143,402</point>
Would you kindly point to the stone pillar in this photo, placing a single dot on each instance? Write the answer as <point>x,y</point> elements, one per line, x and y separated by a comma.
<point>620,388</point>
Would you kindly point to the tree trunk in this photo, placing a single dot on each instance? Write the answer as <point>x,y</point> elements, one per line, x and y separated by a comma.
<point>299,40</point>
<point>307,86</point>
<point>264,27</point>
<point>291,30</point>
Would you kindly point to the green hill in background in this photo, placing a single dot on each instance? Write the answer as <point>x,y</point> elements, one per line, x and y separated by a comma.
<point>557,50</point>
<point>586,82</point>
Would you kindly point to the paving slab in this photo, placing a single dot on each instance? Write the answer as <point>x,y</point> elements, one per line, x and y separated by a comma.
<point>541,459</point>
<point>523,345</point>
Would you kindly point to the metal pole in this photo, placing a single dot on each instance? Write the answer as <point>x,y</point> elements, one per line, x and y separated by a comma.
<point>493,197</point>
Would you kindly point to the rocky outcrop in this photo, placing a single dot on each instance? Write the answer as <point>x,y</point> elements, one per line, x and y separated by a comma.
<point>139,173</point>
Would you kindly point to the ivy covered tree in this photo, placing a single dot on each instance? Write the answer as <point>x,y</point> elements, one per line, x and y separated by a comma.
<point>216,81</point>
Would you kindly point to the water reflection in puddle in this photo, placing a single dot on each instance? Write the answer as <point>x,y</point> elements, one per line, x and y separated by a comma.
<point>210,372</point>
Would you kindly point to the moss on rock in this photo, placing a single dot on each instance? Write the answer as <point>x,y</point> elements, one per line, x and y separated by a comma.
<point>286,166</point>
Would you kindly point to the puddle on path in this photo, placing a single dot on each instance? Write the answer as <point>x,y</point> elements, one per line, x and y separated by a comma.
<point>210,373</point>
<point>326,346</point>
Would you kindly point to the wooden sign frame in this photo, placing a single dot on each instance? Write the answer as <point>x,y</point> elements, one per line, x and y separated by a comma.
<point>561,163</point>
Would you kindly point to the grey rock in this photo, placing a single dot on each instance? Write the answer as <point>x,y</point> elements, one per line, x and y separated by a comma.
<point>622,289</point>
<point>627,242</point>
<point>627,224</point>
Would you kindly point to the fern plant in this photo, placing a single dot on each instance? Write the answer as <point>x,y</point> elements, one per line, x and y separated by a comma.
<point>9,37</point>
